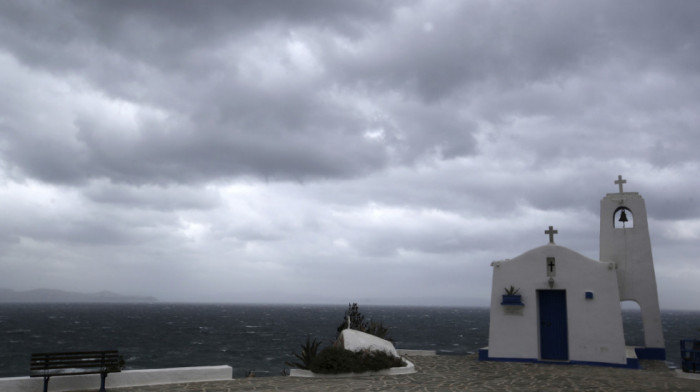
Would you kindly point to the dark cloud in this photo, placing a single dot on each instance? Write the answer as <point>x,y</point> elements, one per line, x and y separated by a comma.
<point>310,141</point>
<point>153,198</point>
<point>185,60</point>
<point>159,35</point>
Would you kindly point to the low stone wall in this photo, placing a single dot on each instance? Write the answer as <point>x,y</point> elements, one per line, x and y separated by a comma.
<point>128,378</point>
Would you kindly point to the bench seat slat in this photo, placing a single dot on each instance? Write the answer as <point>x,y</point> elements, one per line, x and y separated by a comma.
<point>57,373</point>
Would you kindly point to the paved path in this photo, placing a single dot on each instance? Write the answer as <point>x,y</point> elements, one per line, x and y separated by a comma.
<point>462,373</point>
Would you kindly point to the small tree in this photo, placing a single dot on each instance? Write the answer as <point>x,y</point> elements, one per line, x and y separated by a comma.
<point>379,330</point>
<point>358,323</point>
<point>357,320</point>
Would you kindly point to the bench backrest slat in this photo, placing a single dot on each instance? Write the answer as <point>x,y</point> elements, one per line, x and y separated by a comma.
<point>78,352</point>
<point>88,362</point>
<point>73,364</point>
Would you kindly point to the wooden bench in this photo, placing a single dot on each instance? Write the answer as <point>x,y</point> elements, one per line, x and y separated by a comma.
<point>49,365</point>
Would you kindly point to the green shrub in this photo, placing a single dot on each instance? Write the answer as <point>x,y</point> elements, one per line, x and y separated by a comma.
<point>308,353</point>
<point>334,360</point>
<point>379,360</point>
<point>511,290</point>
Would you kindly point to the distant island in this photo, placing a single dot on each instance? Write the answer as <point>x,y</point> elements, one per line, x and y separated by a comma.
<point>53,296</point>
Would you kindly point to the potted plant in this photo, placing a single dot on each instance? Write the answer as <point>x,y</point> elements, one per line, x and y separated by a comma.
<point>511,297</point>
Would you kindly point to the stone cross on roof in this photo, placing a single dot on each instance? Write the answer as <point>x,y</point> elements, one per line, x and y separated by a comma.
<point>620,181</point>
<point>551,233</point>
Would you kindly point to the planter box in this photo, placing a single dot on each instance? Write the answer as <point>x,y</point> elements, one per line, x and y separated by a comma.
<point>512,300</point>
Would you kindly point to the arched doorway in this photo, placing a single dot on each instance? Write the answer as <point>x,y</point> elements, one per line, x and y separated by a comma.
<point>632,324</point>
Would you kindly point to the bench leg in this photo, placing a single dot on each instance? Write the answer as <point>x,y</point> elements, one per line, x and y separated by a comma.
<point>46,383</point>
<point>102,384</point>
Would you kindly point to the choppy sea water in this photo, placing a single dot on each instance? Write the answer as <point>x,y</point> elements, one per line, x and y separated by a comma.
<point>250,337</point>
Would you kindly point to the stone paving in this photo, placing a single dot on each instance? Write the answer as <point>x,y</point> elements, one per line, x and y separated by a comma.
<point>462,373</point>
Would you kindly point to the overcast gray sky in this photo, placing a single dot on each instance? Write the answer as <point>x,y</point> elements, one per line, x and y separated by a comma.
<point>380,152</point>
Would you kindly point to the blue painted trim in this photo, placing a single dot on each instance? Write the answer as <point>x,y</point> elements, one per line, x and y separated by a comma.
<point>554,331</point>
<point>655,353</point>
<point>527,360</point>
<point>632,363</point>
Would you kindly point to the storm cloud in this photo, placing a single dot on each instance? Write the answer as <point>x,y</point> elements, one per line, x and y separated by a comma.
<point>334,151</point>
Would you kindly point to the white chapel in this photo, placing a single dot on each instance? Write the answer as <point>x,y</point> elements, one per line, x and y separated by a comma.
<point>554,304</point>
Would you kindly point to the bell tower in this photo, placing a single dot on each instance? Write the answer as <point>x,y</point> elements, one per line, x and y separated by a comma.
<point>624,240</point>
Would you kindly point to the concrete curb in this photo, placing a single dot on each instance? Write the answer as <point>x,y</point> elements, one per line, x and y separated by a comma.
<point>417,353</point>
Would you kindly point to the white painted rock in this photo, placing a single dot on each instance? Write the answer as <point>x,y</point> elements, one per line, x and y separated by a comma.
<point>355,341</point>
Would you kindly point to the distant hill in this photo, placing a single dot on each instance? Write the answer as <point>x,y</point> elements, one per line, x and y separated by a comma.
<point>48,295</point>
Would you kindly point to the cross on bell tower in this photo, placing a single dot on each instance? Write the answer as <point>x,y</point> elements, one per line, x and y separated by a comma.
<point>551,233</point>
<point>620,181</point>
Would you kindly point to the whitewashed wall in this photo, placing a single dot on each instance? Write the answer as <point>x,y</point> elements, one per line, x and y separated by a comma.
<point>595,325</point>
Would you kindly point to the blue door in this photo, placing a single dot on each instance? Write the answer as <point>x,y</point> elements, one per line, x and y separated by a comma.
<point>554,340</point>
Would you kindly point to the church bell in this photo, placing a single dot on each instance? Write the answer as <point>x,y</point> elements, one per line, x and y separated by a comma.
<point>623,217</point>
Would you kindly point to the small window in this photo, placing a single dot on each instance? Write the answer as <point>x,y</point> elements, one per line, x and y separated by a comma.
<point>623,218</point>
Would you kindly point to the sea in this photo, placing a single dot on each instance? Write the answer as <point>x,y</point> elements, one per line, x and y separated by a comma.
<point>253,338</point>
